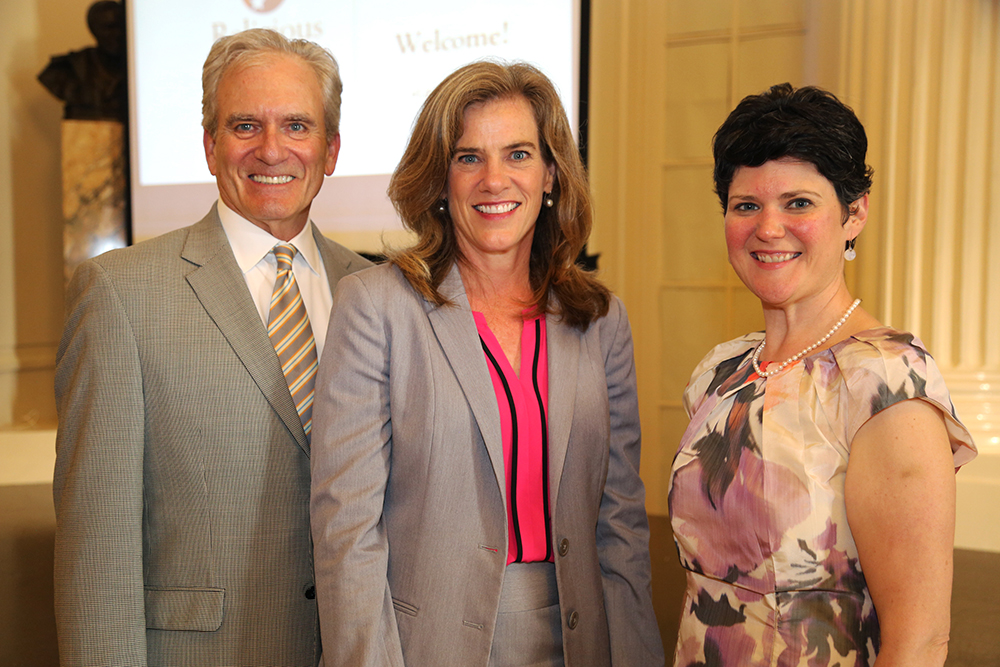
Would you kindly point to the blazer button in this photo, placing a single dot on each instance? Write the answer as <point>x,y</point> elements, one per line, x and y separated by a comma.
<point>310,592</point>
<point>563,546</point>
<point>574,620</point>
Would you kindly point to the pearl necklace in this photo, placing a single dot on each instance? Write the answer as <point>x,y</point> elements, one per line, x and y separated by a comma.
<point>781,366</point>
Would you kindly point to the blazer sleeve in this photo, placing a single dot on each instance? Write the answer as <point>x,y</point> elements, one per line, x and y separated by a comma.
<point>623,529</point>
<point>98,480</point>
<point>351,457</point>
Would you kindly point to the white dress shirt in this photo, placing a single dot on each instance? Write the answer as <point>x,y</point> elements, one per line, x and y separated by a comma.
<point>252,247</point>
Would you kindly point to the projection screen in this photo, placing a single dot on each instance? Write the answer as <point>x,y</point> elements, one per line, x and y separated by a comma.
<point>391,54</point>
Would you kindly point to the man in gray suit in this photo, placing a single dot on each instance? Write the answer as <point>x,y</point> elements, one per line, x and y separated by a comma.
<point>182,473</point>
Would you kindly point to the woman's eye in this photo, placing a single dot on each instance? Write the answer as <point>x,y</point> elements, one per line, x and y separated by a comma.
<point>519,155</point>
<point>799,203</point>
<point>745,206</point>
<point>466,159</point>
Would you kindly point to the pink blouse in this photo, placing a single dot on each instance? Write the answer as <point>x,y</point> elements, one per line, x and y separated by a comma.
<point>523,403</point>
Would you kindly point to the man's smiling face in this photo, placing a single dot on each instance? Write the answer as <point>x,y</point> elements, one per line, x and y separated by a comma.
<point>270,151</point>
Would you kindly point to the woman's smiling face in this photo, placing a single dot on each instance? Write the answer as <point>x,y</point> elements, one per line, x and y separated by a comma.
<point>497,179</point>
<point>786,229</point>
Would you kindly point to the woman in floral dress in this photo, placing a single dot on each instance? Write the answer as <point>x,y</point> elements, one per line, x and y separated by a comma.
<point>813,495</point>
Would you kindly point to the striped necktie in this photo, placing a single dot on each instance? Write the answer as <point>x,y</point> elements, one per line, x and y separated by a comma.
<point>292,337</point>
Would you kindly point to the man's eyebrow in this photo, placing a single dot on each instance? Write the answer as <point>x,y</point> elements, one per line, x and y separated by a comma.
<point>242,117</point>
<point>300,118</point>
<point>238,118</point>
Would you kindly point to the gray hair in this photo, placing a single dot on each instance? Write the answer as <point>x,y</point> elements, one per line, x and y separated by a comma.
<point>250,47</point>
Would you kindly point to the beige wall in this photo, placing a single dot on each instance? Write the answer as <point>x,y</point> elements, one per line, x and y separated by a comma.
<point>924,77</point>
<point>31,294</point>
<point>672,71</point>
<point>664,74</point>
<point>31,283</point>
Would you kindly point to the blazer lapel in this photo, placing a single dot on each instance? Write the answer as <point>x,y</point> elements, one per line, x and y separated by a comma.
<point>563,346</point>
<point>456,331</point>
<point>220,287</point>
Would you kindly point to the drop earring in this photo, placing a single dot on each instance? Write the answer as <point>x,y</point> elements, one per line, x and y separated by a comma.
<point>849,253</point>
<point>548,200</point>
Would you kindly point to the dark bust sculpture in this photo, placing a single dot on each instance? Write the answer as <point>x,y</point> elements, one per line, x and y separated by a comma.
<point>92,81</point>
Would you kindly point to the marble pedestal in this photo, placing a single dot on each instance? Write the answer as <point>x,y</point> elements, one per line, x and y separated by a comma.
<point>93,167</point>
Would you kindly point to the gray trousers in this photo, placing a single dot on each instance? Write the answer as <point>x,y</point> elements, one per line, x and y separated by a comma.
<point>529,626</point>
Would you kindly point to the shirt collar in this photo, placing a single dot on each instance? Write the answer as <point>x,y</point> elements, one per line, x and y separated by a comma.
<point>251,244</point>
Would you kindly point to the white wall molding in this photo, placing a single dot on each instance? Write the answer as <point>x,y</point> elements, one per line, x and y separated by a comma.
<point>976,396</point>
<point>977,515</point>
<point>27,457</point>
<point>27,358</point>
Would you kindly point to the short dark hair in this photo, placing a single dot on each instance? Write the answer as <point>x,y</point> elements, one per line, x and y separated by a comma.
<point>808,124</point>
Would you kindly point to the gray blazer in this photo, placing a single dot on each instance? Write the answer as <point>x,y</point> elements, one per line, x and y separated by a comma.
<point>408,507</point>
<point>182,470</point>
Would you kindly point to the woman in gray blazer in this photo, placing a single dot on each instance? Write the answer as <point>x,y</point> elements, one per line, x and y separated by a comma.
<point>476,496</point>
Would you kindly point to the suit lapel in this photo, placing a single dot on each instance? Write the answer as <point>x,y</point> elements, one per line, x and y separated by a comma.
<point>563,346</point>
<point>336,267</point>
<point>220,287</point>
<point>456,332</point>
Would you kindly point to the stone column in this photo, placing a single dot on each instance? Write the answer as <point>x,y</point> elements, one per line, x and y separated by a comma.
<point>924,76</point>
<point>93,166</point>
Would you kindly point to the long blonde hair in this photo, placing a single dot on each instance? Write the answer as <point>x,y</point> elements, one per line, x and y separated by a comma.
<point>560,232</point>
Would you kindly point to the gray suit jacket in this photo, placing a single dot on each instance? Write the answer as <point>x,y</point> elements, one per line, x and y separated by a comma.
<point>408,507</point>
<point>182,472</point>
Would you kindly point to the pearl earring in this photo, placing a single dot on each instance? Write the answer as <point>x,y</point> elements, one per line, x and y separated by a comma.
<point>548,200</point>
<point>443,206</point>
<point>849,253</point>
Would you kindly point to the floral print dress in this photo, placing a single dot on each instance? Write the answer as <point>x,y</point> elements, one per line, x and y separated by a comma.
<point>757,500</point>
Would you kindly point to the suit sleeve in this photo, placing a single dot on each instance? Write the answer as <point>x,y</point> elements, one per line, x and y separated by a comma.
<point>351,458</point>
<point>98,480</point>
<point>623,529</point>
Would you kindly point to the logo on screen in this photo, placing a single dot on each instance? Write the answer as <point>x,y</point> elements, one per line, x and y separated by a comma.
<point>262,6</point>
